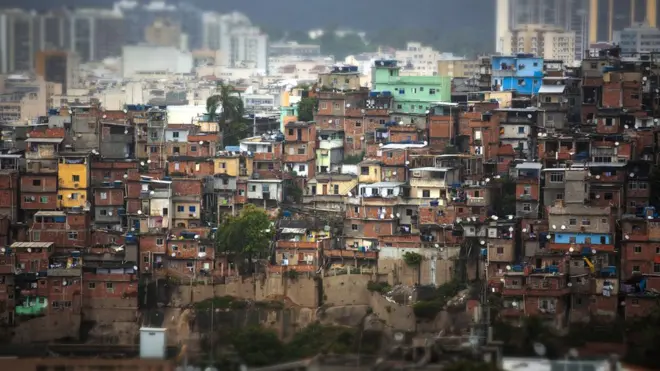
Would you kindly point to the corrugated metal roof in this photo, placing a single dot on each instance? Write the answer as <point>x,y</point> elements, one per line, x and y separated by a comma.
<point>31,244</point>
<point>552,89</point>
<point>529,165</point>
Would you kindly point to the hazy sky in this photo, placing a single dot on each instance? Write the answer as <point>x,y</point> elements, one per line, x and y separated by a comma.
<point>440,15</point>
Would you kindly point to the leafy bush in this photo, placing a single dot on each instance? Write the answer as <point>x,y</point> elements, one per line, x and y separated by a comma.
<point>427,309</point>
<point>437,300</point>
<point>412,258</point>
<point>218,302</point>
<point>381,287</point>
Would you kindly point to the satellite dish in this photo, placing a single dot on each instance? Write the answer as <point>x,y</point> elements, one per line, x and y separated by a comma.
<point>539,349</point>
<point>398,336</point>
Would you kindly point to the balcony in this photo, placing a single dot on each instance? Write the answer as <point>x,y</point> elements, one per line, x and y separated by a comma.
<point>578,248</point>
<point>527,197</point>
<point>298,158</point>
<point>636,236</point>
<point>513,291</point>
<point>351,254</point>
<point>476,201</point>
<point>297,245</point>
<point>65,272</point>
<point>512,312</point>
<point>606,177</point>
<point>549,292</point>
<point>265,156</point>
<point>156,193</point>
<point>523,119</point>
<point>331,144</point>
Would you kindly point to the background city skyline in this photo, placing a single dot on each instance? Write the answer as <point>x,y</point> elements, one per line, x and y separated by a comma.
<point>303,15</point>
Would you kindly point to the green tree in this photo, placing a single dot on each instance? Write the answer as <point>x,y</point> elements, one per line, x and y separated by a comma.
<point>654,183</point>
<point>258,346</point>
<point>247,235</point>
<point>231,105</point>
<point>307,108</point>
<point>506,204</point>
<point>234,131</point>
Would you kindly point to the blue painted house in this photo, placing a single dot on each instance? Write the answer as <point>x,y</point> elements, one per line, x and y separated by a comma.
<point>522,73</point>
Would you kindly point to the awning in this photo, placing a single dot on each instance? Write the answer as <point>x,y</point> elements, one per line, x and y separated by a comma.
<point>294,230</point>
<point>44,140</point>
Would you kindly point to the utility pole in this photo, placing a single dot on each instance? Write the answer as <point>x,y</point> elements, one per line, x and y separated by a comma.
<point>254,122</point>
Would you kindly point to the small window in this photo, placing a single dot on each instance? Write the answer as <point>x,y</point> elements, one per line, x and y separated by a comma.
<point>73,235</point>
<point>192,209</point>
<point>36,182</point>
<point>556,177</point>
<point>521,130</point>
<point>354,227</point>
<point>637,249</point>
<point>586,221</point>
<point>109,286</point>
<point>500,250</point>
<point>572,221</point>
<point>159,241</point>
<point>75,178</point>
<point>180,209</point>
<point>91,285</point>
<point>193,148</point>
<point>426,193</point>
<point>527,207</point>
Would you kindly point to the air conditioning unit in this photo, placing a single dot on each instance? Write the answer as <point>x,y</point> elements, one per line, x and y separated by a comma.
<point>417,174</point>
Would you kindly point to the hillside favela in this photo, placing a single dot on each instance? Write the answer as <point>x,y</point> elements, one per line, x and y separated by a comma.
<point>201,186</point>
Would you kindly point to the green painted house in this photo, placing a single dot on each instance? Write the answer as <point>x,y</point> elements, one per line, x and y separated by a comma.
<point>412,95</point>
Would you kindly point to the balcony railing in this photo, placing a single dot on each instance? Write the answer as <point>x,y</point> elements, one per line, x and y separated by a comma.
<point>64,272</point>
<point>476,201</point>
<point>351,254</point>
<point>297,245</point>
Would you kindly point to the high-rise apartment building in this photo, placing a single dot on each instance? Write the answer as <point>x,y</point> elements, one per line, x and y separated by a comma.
<point>19,40</point>
<point>139,15</point>
<point>97,34</point>
<point>511,14</point>
<point>638,38</point>
<point>547,41</point>
<point>419,58</point>
<point>59,67</point>
<point>239,41</point>
<point>163,32</point>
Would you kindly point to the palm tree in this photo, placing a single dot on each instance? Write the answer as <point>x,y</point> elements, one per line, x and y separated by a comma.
<point>231,105</point>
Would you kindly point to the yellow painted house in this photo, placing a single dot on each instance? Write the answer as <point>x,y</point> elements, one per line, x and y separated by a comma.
<point>332,184</point>
<point>232,165</point>
<point>73,180</point>
<point>369,171</point>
